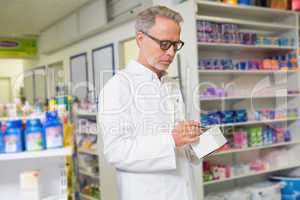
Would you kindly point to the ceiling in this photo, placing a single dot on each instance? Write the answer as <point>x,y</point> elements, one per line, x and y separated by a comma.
<point>29,17</point>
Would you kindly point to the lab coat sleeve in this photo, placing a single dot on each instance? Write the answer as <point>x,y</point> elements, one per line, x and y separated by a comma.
<point>191,156</point>
<point>123,147</point>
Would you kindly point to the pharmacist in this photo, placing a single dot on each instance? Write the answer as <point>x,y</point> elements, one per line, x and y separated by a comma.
<point>140,111</point>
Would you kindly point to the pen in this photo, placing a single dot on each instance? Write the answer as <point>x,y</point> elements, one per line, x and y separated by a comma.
<point>202,127</point>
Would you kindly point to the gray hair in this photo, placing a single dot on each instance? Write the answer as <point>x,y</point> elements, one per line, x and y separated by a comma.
<point>146,19</point>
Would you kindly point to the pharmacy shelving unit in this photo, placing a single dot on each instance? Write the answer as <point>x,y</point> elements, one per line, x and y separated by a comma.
<point>245,72</point>
<point>50,163</point>
<point>246,89</point>
<point>268,171</point>
<point>81,152</point>
<point>83,196</point>
<point>106,175</point>
<point>50,153</point>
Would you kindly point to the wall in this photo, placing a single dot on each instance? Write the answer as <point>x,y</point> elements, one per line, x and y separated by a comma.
<point>12,68</point>
<point>114,36</point>
<point>29,63</point>
<point>129,51</point>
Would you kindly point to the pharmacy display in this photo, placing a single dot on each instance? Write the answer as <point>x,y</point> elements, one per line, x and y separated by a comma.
<point>29,134</point>
<point>276,4</point>
<point>246,66</point>
<point>87,143</point>
<point>36,136</point>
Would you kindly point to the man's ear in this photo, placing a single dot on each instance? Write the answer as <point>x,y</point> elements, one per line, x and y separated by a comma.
<point>139,38</point>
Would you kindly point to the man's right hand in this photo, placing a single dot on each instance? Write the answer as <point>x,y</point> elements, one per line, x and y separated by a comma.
<point>186,132</point>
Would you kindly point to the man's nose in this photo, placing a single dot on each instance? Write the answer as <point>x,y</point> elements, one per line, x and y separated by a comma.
<point>171,51</point>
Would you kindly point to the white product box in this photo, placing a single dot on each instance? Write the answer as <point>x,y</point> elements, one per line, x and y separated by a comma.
<point>209,141</point>
<point>30,185</point>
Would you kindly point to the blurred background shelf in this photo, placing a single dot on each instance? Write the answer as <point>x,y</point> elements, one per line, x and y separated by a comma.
<point>231,151</point>
<point>255,122</point>
<point>86,197</point>
<point>88,151</point>
<point>241,47</point>
<point>252,174</point>
<point>246,72</point>
<point>37,154</point>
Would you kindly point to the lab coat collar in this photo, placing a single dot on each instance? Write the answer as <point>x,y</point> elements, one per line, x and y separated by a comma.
<point>137,68</point>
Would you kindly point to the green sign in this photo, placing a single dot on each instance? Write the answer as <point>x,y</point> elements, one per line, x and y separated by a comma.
<point>18,48</point>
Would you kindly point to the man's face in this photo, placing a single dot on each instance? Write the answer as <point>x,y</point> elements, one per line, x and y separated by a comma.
<point>163,29</point>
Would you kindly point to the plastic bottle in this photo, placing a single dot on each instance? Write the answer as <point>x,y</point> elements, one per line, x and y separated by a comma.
<point>13,137</point>
<point>34,135</point>
<point>52,104</point>
<point>1,140</point>
<point>38,107</point>
<point>245,2</point>
<point>62,102</point>
<point>296,5</point>
<point>234,2</point>
<point>279,4</point>
<point>287,136</point>
<point>263,3</point>
<point>27,109</point>
<point>53,131</point>
<point>11,110</point>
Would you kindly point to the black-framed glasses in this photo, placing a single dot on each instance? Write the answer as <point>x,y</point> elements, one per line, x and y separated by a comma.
<point>166,44</point>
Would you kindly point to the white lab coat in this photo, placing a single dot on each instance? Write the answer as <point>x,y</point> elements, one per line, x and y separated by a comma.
<point>137,113</point>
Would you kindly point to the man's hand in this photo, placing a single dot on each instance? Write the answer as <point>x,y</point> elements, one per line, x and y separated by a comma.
<point>186,132</point>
